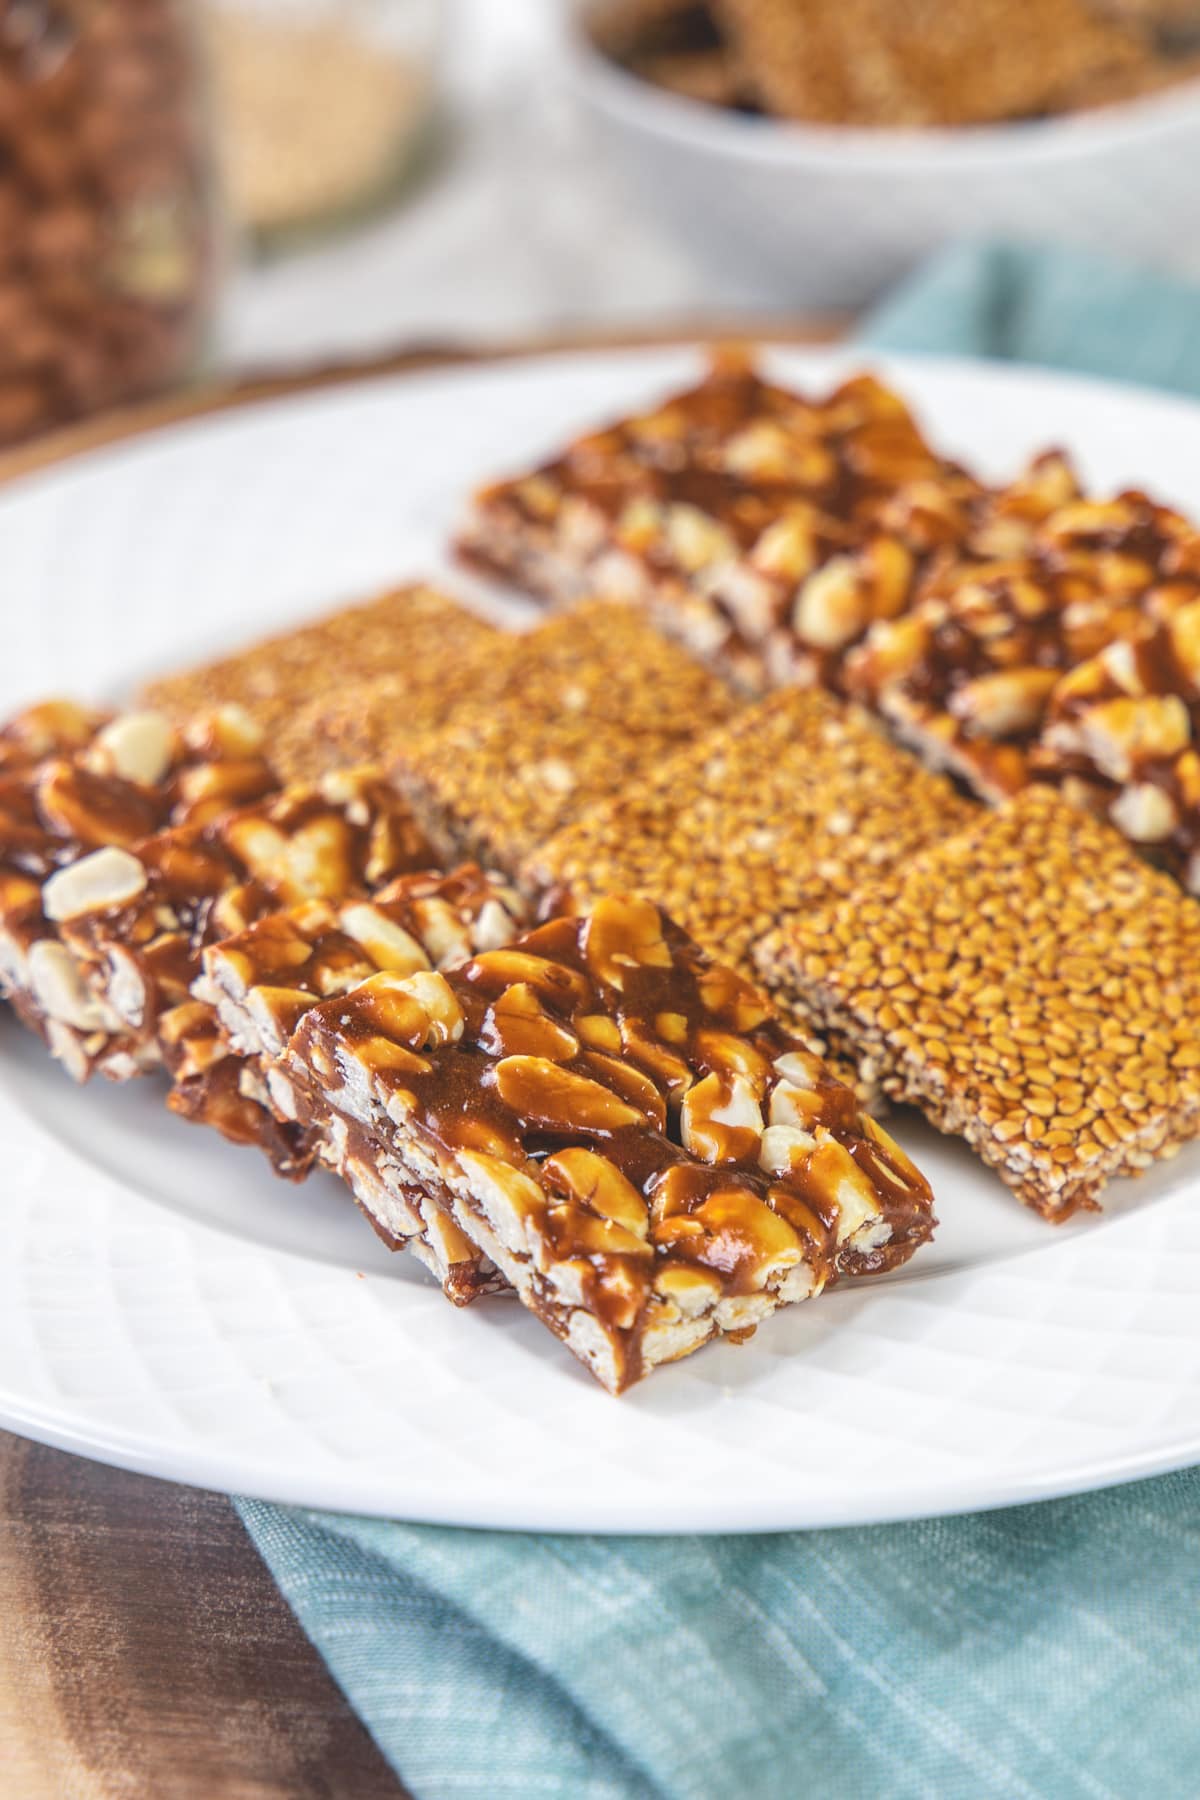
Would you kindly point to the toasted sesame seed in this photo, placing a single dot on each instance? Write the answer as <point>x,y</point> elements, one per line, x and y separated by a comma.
<point>1070,1070</point>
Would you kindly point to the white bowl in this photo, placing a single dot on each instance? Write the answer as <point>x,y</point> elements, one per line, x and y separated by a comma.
<point>827,216</point>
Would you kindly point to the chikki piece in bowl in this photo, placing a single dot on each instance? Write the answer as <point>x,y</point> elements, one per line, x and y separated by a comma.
<point>1123,736</point>
<point>589,704</point>
<point>1031,985</point>
<point>924,63</point>
<point>1044,581</point>
<point>622,1127</point>
<point>420,638</point>
<point>130,777</point>
<point>765,529</point>
<point>796,799</point>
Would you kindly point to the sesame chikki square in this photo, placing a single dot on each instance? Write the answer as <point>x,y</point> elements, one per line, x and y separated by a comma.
<point>590,703</point>
<point>1031,985</point>
<point>425,642</point>
<point>798,798</point>
<point>922,62</point>
<point>621,1126</point>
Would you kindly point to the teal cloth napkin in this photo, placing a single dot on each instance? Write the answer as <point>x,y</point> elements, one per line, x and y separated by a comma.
<point>1040,1653</point>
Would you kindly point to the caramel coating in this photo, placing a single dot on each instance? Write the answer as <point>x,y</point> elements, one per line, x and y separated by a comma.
<point>767,529</point>
<point>130,777</point>
<point>256,985</point>
<point>51,728</point>
<point>1031,985</point>
<point>1121,735</point>
<point>201,883</point>
<point>1043,581</point>
<point>623,1126</point>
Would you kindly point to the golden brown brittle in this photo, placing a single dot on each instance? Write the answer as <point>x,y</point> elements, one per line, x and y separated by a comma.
<point>622,1126</point>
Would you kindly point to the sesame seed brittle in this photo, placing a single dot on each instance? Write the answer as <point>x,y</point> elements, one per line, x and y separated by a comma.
<point>588,704</point>
<point>300,686</point>
<point>798,798</point>
<point>906,63</point>
<point>621,1126</point>
<point>1031,985</point>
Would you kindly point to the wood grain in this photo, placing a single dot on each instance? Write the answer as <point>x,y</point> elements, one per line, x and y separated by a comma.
<point>146,1654</point>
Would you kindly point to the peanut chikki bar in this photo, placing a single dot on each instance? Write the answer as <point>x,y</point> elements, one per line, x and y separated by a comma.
<point>588,703</point>
<point>1044,581</point>
<point>256,985</point>
<point>135,920</point>
<point>1123,736</point>
<point>622,1127</point>
<point>260,984</point>
<point>766,529</point>
<point>50,728</point>
<point>416,635</point>
<point>1031,985</point>
<point>795,800</point>
<point>135,775</point>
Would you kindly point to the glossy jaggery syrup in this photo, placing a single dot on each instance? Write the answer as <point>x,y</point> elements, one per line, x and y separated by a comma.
<point>201,878</point>
<point>48,728</point>
<point>488,1092</point>
<point>25,843</point>
<point>1160,672</point>
<point>287,961</point>
<point>306,949</point>
<point>57,808</point>
<point>677,455</point>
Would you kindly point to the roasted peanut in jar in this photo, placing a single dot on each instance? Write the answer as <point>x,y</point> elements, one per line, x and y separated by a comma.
<point>106,210</point>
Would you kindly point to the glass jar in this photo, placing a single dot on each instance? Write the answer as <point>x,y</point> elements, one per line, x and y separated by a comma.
<point>107,225</point>
<point>324,106</point>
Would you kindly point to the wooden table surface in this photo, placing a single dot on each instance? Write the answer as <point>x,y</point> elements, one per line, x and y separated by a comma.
<point>145,1651</point>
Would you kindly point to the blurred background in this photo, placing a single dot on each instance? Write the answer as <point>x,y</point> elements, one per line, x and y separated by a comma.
<point>199,187</point>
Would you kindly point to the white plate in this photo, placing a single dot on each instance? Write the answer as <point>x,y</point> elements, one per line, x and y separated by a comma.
<point>164,1304</point>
